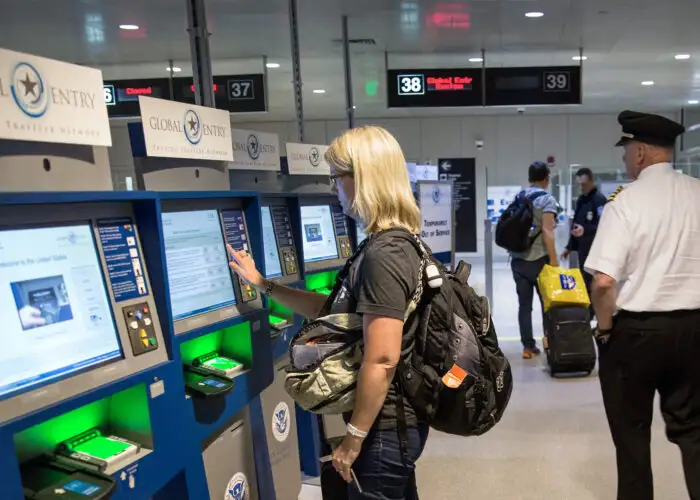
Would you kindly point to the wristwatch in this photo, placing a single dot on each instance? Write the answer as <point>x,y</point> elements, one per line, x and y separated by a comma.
<point>269,286</point>
<point>602,336</point>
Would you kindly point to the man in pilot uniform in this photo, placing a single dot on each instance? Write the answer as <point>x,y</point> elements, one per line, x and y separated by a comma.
<point>646,293</point>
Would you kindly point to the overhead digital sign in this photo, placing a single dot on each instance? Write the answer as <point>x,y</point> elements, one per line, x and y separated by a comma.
<point>533,86</point>
<point>453,87</point>
<point>434,88</point>
<point>233,93</point>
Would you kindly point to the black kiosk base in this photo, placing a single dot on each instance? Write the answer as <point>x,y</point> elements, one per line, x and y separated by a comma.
<point>47,479</point>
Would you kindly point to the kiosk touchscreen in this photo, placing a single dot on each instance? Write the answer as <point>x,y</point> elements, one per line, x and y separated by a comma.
<point>325,236</point>
<point>74,297</point>
<point>203,289</point>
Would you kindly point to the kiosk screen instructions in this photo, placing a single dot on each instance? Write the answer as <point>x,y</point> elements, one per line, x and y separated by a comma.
<point>54,306</point>
<point>198,272</point>
<point>273,265</point>
<point>318,233</point>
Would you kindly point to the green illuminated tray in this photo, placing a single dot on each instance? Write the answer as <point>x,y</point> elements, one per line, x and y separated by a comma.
<point>91,447</point>
<point>219,365</point>
<point>277,322</point>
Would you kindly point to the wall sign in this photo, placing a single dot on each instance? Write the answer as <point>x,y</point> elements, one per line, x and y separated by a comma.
<point>177,130</point>
<point>307,159</point>
<point>45,100</point>
<point>453,87</point>
<point>435,200</point>
<point>255,150</point>
<point>462,173</point>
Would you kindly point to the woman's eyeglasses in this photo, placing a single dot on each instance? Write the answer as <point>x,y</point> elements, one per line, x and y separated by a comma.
<point>335,177</point>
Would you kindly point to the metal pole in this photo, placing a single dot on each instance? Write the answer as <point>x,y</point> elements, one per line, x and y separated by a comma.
<point>201,56</point>
<point>170,79</point>
<point>483,77</point>
<point>296,68</point>
<point>348,75</point>
<point>488,260</point>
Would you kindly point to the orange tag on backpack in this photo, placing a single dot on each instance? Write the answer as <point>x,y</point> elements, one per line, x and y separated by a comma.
<point>453,379</point>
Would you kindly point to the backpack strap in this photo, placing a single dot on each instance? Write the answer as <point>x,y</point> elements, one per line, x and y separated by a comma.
<point>531,199</point>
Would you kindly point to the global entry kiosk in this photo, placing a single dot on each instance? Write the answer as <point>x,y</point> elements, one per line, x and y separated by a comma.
<point>135,363</point>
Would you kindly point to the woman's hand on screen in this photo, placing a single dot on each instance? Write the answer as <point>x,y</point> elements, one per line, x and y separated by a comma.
<point>244,266</point>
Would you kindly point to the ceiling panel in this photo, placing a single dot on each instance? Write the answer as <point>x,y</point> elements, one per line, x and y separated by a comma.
<point>626,42</point>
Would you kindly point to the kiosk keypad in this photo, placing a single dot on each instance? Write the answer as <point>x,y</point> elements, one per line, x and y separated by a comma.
<point>142,333</point>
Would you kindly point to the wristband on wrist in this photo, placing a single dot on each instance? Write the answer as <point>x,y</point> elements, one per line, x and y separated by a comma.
<point>354,431</point>
<point>268,286</point>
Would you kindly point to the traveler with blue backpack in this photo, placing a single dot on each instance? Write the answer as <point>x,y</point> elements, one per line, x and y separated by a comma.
<point>526,230</point>
<point>401,344</point>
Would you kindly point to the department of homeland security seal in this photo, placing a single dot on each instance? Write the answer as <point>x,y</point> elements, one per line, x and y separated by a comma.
<point>237,488</point>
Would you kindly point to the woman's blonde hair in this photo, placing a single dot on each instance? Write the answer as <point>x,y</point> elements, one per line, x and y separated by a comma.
<point>383,195</point>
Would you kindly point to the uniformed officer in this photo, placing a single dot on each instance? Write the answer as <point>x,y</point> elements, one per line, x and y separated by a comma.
<point>648,243</point>
<point>589,208</point>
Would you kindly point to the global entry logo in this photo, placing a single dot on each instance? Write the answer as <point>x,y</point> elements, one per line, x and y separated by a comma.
<point>192,127</point>
<point>253,145</point>
<point>314,157</point>
<point>436,194</point>
<point>28,90</point>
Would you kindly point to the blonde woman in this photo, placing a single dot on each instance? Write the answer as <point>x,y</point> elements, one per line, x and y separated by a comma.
<point>384,439</point>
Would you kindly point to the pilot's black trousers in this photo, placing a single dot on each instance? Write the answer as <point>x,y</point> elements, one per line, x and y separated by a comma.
<point>650,352</point>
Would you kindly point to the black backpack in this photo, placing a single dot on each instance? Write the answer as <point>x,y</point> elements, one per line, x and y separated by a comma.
<point>455,330</point>
<point>515,223</point>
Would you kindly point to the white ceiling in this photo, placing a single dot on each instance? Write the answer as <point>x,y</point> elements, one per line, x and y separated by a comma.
<point>626,41</point>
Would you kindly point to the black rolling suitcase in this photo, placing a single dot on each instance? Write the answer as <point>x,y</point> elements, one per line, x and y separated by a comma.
<point>569,341</point>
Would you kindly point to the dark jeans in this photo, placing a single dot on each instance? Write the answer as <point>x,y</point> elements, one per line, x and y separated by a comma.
<point>380,469</point>
<point>525,275</point>
<point>650,352</point>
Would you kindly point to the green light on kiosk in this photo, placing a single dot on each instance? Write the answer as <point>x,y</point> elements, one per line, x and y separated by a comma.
<point>102,447</point>
<point>371,87</point>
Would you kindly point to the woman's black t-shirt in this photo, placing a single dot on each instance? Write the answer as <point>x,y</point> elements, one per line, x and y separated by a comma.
<point>382,281</point>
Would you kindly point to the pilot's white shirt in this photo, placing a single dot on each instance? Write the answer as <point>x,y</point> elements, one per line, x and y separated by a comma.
<point>648,240</point>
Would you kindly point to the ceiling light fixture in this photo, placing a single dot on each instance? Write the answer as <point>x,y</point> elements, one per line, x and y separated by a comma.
<point>272,65</point>
<point>319,91</point>
<point>693,101</point>
<point>174,69</point>
<point>128,27</point>
<point>682,57</point>
<point>476,59</point>
<point>534,15</point>
<point>648,83</point>
<point>580,58</point>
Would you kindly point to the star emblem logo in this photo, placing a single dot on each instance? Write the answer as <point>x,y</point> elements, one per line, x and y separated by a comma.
<point>314,157</point>
<point>192,127</point>
<point>29,85</point>
<point>29,90</point>
<point>253,147</point>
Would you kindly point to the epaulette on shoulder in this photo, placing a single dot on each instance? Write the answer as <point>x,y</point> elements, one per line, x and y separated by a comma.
<point>617,191</point>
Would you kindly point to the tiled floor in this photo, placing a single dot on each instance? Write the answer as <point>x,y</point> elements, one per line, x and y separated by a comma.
<point>552,444</point>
